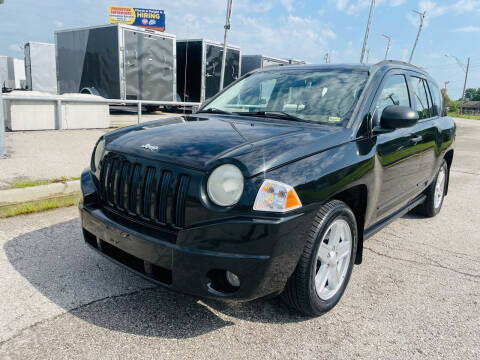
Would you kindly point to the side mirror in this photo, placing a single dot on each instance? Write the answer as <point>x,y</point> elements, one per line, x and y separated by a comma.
<point>395,117</point>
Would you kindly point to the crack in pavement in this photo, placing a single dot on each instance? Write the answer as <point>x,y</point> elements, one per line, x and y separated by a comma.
<point>14,336</point>
<point>437,265</point>
<point>465,172</point>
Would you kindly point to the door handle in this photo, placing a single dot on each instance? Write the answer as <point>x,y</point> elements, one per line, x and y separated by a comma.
<point>416,139</point>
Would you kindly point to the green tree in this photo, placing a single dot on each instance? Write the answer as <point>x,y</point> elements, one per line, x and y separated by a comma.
<point>450,104</point>
<point>472,94</point>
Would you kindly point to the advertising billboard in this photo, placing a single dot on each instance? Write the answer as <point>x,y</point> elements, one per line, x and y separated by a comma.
<point>149,18</point>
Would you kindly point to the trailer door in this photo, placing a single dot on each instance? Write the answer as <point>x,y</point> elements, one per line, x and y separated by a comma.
<point>149,67</point>
<point>213,66</point>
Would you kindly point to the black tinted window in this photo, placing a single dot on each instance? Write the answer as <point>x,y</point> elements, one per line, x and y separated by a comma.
<point>394,92</point>
<point>422,104</point>
<point>437,99</point>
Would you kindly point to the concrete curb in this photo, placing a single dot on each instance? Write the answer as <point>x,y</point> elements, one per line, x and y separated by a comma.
<point>16,196</point>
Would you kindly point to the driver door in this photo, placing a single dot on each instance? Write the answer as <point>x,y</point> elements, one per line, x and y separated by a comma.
<point>397,157</point>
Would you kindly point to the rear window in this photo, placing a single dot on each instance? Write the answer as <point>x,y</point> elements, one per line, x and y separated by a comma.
<point>437,99</point>
<point>421,99</point>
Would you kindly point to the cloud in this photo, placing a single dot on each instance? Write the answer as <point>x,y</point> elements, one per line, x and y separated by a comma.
<point>309,36</point>
<point>468,29</point>
<point>288,4</point>
<point>433,10</point>
<point>16,47</point>
<point>342,4</point>
<point>321,12</point>
<point>358,6</point>
<point>58,23</point>
<point>464,6</point>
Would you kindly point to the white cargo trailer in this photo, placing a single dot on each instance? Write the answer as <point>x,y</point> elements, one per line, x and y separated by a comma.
<point>7,76</point>
<point>40,67</point>
<point>19,73</point>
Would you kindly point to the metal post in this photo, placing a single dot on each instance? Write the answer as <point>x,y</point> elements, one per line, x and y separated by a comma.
<point>422,17</point>
<point>59,115</point>
<point>224,55</point>
<point>3,144</point>
<point>367,31</point>
<point>465,86</point>
<point>139,112</point>
<point>388,45</point>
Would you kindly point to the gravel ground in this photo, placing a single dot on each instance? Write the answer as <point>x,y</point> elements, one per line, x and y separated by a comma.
<point>34,155</point>
<point>416,296</point>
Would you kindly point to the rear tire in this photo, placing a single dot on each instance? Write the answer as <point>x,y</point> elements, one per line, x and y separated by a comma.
<point>435,193</point>
<point>324,269</point>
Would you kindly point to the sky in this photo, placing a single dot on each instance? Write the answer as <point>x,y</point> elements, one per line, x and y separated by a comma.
<point>302,29</point>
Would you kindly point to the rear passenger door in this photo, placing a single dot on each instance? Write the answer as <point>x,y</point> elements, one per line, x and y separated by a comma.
<point>426,129</point>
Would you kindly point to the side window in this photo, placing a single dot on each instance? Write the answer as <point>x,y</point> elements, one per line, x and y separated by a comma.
<point>394,92</point>
<point>420,97</point>
<point>437,99</point>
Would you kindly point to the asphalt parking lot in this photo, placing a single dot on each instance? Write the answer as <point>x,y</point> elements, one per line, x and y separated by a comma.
<point>416,296</point>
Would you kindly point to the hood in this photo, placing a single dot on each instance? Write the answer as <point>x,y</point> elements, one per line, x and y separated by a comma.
<point>259,144</point>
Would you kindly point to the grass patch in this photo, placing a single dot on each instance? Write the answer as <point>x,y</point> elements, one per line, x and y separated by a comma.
<point>38,205</point>
<point>455,114</point>
<point>27,183</point>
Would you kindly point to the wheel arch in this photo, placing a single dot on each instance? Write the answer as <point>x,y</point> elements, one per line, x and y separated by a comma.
<point>356,198</point>
<point>90,91</point>
<point>448,159</point>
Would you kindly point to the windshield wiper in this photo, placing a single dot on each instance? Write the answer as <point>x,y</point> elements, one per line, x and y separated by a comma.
<point>214,111</point>
<point>273,114</point>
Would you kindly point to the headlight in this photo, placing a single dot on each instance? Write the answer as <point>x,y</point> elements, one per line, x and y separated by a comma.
<point>225,185</point>
<point>98,153</point>
<point>276,196</point>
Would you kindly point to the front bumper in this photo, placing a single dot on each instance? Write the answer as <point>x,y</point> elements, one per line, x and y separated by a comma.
<point>262,252</point>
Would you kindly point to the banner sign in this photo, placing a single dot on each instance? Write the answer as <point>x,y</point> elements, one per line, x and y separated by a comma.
<point>149,18</point>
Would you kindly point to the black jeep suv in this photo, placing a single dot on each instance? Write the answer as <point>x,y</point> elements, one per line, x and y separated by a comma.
<point>272,187</point>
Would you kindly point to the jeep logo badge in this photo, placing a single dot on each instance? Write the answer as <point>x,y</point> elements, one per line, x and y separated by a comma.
<point>150,147</point>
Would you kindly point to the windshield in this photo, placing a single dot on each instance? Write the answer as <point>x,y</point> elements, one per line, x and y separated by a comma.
<point>319,96</point>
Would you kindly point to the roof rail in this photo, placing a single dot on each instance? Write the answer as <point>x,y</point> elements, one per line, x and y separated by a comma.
<point>398,62</point>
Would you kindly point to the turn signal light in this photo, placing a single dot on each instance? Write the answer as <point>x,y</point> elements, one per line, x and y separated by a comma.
<point>277,197</point>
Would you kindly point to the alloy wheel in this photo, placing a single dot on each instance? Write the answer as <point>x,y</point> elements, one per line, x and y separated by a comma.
<point>333,259</point>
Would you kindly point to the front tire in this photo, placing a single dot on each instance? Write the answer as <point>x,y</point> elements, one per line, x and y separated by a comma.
<point>435,193</point>
<point>324,269</point>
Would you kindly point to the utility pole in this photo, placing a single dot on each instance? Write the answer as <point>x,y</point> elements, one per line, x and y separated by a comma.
<point>367,31</point>
<point>3,145</point>
<point>388,45</point>
<point>224,55</point>
<point>465,86</point>
<point>422,17</point>
<point>465,70</point>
